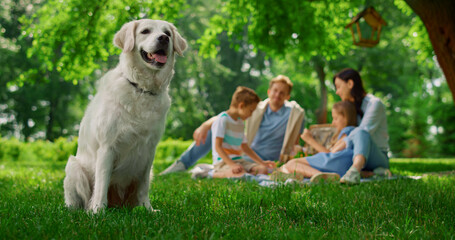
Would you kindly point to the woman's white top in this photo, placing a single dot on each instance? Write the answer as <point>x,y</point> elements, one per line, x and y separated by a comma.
<point>374,121</point>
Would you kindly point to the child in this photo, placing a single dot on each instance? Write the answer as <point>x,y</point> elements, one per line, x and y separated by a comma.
<point>228,138</point>
<point>333,164</point>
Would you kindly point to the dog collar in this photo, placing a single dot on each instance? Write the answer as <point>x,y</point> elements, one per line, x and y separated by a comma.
<point>140,89</point>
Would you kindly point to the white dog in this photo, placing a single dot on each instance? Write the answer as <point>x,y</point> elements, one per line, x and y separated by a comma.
<point>125,120</point>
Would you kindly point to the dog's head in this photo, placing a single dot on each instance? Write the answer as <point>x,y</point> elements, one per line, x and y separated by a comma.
<point>154,41</point>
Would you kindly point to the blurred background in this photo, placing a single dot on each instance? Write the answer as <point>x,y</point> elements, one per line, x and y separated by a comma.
<point>52,53</point>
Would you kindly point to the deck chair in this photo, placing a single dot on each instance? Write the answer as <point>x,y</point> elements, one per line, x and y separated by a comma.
<point>325,134</point>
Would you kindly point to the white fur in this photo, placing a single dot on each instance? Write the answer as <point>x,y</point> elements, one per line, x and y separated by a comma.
<point>122,125</point>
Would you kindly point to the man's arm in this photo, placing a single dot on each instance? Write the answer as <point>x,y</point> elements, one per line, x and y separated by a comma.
<point>248,151</point>
<point>200,134</point>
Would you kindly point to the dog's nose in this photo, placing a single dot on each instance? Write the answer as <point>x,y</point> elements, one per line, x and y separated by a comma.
<point>163,39</point>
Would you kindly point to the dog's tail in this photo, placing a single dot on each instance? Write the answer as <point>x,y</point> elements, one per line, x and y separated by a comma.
<point>76,185</point>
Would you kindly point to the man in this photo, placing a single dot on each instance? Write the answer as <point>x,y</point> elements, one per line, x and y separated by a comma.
<point>272,130</point>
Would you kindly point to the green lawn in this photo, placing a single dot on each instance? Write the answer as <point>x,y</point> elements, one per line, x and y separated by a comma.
<point>32,207</point>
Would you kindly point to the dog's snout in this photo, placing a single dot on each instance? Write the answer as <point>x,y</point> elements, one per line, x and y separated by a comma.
<point>163,39</point>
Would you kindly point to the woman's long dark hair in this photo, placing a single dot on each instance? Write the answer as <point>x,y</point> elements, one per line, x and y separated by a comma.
<point>357,92</point>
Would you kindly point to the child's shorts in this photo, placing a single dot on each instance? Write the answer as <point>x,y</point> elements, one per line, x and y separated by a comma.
<point>221,167</point>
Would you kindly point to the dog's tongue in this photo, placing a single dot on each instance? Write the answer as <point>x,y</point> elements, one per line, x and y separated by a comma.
<point>160,58</point>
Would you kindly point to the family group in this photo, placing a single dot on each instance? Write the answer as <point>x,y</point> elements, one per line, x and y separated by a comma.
<point>253,135</point>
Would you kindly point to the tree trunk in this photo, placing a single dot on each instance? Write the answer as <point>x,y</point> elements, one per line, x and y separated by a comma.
<point>439,21</point>
<point>50,124</point>
<point>321,113</point>
<point>53,99</point>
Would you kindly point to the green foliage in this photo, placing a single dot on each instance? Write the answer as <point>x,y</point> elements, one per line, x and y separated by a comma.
<point>43,105</point>
<point>10,149</point>
<point>417,37</point>
<point>40,150</point>
<point>58,151</point>
<point>443,117</point>
<point>277,27</point>
<point>169,150</point>
<point>71,37</point>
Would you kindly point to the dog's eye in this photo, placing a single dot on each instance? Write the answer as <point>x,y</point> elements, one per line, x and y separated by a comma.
<point>167,33</point>
<point>145,31</point>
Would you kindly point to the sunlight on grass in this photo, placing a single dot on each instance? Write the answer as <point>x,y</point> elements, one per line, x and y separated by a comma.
<point>418,166</point>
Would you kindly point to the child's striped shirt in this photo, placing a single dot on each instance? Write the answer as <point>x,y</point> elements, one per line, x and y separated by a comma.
<point>232,132</point>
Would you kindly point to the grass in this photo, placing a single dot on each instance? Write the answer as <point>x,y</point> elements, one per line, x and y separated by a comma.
<point>32,207</point>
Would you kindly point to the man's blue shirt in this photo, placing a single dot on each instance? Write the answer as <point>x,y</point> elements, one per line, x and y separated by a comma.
<point>271,133</point>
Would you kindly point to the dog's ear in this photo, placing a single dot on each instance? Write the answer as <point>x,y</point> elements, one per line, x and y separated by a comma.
<point>124,38</point>
<point>180,44</point>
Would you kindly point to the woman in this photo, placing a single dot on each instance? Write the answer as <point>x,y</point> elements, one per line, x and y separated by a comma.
<point>370,139</point>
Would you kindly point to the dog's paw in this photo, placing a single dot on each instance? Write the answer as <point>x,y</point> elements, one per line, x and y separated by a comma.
<point>96,208</point>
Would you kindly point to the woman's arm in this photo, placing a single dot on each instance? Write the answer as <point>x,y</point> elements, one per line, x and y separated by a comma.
<point>308,138</point>
<point>339,145</point>
<point>373,116</point>
<point>200,134</point>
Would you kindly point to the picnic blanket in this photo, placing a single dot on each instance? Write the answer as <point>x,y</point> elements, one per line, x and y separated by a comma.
<point>265,181</point>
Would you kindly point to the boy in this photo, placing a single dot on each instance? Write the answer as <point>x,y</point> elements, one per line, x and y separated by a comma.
<point>228,138</point>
